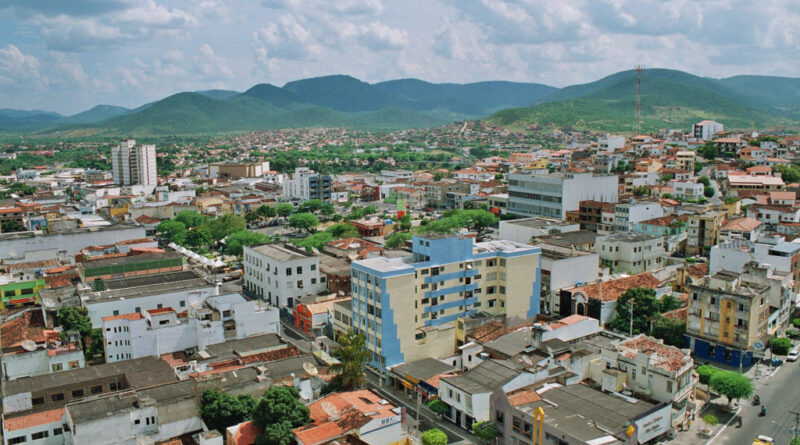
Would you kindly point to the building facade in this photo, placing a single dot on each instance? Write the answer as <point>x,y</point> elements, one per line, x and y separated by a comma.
<point>305,184</point>
<point>631,252</point>
<point>409,307</point>
<point>555,194</point>
<point>280,274</point>
<point>134,164</point>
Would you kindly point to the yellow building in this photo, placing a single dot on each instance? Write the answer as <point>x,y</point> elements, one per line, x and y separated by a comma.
<point>703,232</point>
<point>409,307</point>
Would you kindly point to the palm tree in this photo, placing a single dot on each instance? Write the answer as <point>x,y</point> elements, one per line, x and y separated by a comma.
<point>353,355</point>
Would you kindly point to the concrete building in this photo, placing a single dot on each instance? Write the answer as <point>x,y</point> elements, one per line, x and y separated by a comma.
<point>525,229</point>
<point>409,307</point>
<point>29,246</point>
<point>134,164</point>
<point>160,331</point>
<point>648,367</point>
<point>610,143</point>
<point>281,273</point>
<point>687,189</point>
<point>684,160</point>
<point>733,255</point>
<point>730,312</point>
<point>468,394</point>
<point>736,183</point>
<point>626,215</point>
<point>703,232</point>
<point>705,130</point>
<point>555,194</point>
<point>564,268</point>
<point>599,300</point>
<point>238,170</point>
<point>631,252</point>
<point>575,415</point>
<point>306,184</point>
<point>28,356</point>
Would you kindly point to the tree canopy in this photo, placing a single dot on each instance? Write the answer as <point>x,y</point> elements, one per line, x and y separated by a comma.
<point>732,385</point>
<point>199,236</point>
<point>277,413</point>
<point>174,231</point>
<point>220,410</point>
<point>485,430</point>
<point>342,230</point>
<point>225,225</point>
<point>190,218</point>
<point>645,305</point>
<point>434,436</point>
<point>304,221</point>
<point>780,346</point>
<point>235,242</point>
<point>397,239</point>
<point>285,209</point>
<point>353,355</point>
<point>311,206</point>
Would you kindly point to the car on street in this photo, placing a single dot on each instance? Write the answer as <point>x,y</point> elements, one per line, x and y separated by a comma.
<point>763,440</point>
<point>792,357</point>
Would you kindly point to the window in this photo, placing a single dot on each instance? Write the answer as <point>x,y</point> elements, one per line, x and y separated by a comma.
<point>226,313</point>
<point>58,431</point>
<point>669,385</point>
<point>138,309</point>
<point>299,284</point>
<point>527,429</point>
<point>163,322</point>
<point>712,350</point>
<point>498,414</point>
<point>115,313</point>
<point>313,281</point>
<point>490,290</point>
<point>299,270</point>
<point>313,267</point>
<point>16,440</point>
<point>288,271</point>
<point>516,424</point>
<point>37,401</point>
<point>57,367</point>
<point>114,386</point>
<point>502,290</point>
<point>97,389</point>
<point>137,421</point>
<point>183,303</point>
<point>633,373</point>
<point>40,435</point>
<point>492,303</point>
<point>77,393</point>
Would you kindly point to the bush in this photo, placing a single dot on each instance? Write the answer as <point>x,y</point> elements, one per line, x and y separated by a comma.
<point>705,372</point>
<point>434,436</point>
<point>710,419</point>
<point>796,322</point>
<point>438,407</point>
<point>793,333</point>
<point>780,346</point>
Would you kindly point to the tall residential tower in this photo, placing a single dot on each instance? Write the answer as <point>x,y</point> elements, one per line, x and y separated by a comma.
<point>134,164</point>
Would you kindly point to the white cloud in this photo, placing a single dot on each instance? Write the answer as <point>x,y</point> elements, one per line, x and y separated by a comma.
<point>18,69</point>
<point>379,37</point>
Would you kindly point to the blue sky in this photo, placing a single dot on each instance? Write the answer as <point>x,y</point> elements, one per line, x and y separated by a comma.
<point>68,56</point>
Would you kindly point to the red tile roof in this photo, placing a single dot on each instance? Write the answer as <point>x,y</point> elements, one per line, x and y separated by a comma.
<point>662,356</point>
<point>32,420</point>
<point>613,289</point>
<point>162,310</point>
<point>246,433</point>
<point>523,397</point>
<point>132,316</point>
<point>29,326</point>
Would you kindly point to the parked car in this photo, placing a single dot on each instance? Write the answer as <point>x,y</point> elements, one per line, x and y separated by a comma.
<point>792,357</point>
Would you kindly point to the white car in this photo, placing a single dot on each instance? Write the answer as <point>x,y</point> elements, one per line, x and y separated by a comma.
<point>792,357</point>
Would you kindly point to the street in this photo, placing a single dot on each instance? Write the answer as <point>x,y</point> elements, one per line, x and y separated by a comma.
<point>780,395</point>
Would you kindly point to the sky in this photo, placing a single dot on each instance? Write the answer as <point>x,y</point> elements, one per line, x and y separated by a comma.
<point>68,56</point>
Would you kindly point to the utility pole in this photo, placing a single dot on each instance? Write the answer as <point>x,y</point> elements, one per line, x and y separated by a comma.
<point>631,331</point>
<point>796,425</point>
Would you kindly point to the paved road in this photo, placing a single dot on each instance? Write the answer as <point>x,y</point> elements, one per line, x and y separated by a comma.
<point>780,394</point>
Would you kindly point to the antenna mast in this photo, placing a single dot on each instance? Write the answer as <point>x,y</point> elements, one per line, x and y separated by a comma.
<point>638,69</point>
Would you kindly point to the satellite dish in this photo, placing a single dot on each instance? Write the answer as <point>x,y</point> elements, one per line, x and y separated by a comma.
<point>330,410</point>
<point>310,368</point>
<point>29,345</point>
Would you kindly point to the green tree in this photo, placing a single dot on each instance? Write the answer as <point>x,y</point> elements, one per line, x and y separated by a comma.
<point>74,318</point>
<point>479,219</point>
<point>251,217</point>
<point>671,331</point>
<point>304,221</point>
<point>434,436</point>
<point>327,209</point>
<point>645,306</point>
<point>485,430</point>
<point>277,413</point>
<point>235,242</point>
<point>311,206</point>
<point>220,410</point>
<point>780,346</point>
<point>397,239</point>
<point>174,231</point>
<point>710,419</point>
<point>11,225</point>
<point>704,180</point>
<point>697,166</point>
<point>199,236</point>
<point>709,192</point>
<point>285,210</point>
<point>789,173</point>
<point>438,407</point>
<point>314,241</point>
<point>709,151</point>
<point>704,374</point>
<point>668,303</point>
<point>190,218</point>
<point>353,355</point>
<point>265,211</point>
<point>225,225</point>
<point>404,222</point>
<point>796,322</point>
<point>732,385</point>
<point>342,230</point>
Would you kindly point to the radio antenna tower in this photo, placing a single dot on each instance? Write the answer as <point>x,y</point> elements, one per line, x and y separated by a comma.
<point>638,69</point>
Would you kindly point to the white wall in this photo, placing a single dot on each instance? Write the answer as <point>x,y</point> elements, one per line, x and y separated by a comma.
<point>72,243</point>
<point>51,439</point>
<point>100,309</point>
<point>279,287</point>
<point>39,362</point>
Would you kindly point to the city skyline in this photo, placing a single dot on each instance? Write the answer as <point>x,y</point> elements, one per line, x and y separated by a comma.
<point>70,57</point>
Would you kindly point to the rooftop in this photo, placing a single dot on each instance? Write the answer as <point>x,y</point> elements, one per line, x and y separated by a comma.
<point>486,377</point>
<point>629,237</point>
<point>569,239</point>
<point>537,222</point>
<point>668,358</point>
<point>33,420</point>
<point>422,369</point>
<point>612,289</point>
<point>129,259</point>
<point>281,253</point>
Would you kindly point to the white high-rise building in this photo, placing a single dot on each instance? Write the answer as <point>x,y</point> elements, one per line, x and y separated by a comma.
<point>134,164</point>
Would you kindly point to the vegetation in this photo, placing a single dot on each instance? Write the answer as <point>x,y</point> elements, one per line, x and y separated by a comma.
<point>434,436</point>
<point>284,210</point>
<point>11,225</point>
<point>438,407</point>
<point>780,346</point>
<point>705,372</point>
<point>277,413</point>
<point>709,192</point>
<point>454,220</point>
<point>190,218</point>
<point>485,430</point>
<point>235,242</point>
<point>796,322</point>
<point>645,306</point>
<point>73,318</point>
<point>673,332</point>
<point>199,236</point>
<point>304,221</point>
<point>732,385</point>
<point>353,355</point>
<point>224,225</point>
<point>789,173</point>
<point>710,420</point>
<point>397,240</point>
<point>172,230</point>
<point>220,410</point>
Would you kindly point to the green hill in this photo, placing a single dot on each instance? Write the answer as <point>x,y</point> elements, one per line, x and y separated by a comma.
<point>670,99</point>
